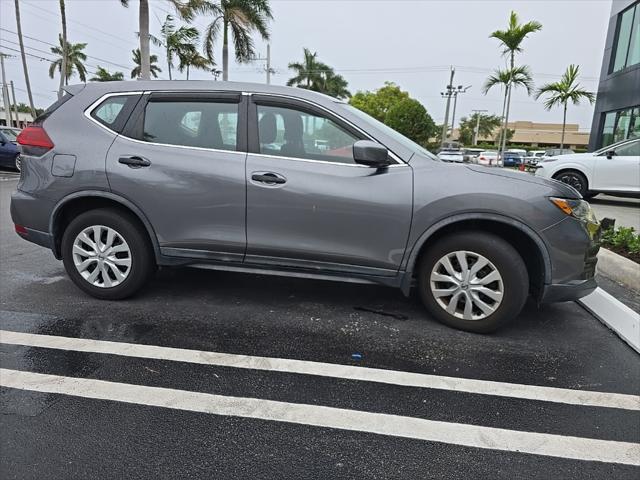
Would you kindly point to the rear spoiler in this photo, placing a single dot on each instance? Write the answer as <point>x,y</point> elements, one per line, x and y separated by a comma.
<point>74,89</point>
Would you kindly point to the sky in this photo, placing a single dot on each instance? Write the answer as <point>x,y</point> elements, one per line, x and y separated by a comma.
<point>410,42</point>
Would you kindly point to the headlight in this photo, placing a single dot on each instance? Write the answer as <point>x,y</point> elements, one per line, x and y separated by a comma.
<point>580,210</point>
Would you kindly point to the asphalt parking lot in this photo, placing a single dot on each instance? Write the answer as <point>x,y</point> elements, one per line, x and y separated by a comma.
<point>133,390</point>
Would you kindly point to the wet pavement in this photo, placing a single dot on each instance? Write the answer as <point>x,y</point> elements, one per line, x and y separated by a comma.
<point>78,435</point>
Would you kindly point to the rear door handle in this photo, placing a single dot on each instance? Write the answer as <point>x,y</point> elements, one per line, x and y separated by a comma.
<point>134,161</point>
<point>268,178</point>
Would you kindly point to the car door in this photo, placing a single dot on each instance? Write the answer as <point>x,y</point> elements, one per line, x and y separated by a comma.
<point>181,161</point>
<point>309,204</point>
<point>619,171</point>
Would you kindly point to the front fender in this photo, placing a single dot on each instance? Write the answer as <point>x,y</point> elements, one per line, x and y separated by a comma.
<point>410,260</point>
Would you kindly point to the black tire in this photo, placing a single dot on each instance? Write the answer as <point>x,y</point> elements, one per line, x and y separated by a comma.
<point>507,261</point>
<point>575,179</point>
<point>141,252</point>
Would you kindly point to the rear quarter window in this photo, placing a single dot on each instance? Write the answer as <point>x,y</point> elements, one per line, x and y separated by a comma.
<point>114,111</point>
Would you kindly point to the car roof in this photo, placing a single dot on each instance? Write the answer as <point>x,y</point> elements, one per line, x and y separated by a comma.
<point>200,85</point>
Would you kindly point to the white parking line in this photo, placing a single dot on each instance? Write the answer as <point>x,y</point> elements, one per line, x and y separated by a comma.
<point>349,372</point>
<point>576,448</point>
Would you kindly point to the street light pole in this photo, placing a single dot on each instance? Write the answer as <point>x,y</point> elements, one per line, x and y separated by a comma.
<point>477,130</point>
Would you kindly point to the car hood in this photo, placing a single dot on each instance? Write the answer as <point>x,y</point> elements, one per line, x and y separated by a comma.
<point>564,190</point>
<point>569,156</point>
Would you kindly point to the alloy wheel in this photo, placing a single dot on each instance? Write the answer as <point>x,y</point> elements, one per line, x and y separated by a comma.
<point>102,256</point>
<point>571,179</point>
<point>466,285</point>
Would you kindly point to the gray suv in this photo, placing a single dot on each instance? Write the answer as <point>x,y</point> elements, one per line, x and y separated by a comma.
<point>121,177</point>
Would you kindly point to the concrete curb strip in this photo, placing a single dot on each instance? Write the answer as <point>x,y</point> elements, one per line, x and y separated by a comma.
<point>615,315</point>
<point>618,268</point>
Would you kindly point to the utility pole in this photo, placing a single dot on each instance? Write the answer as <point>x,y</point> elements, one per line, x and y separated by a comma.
<point>5,94</point>
<point>15,104</point>
<point>455,103</point>
<point>268,68</point>
<point>477,130</point>
<point>447,95</point>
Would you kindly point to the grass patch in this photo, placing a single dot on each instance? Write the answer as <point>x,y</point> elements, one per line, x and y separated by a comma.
<point>623,241</point>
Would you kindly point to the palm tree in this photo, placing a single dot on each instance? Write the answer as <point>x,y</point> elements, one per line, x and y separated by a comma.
<point>334,85</point>
<point>238,18</point>
<point>565,91</point>
<point>309,72</point>
<point>177,41</point>
<point>103,75</point>
<point>189,57</point>
<point>153,68</point>
<point>515,77</point>
<point>72,58</point>
<point>185,11</point>
<point>24,59</point>
<point>63,67</point>
<point>511,41</point>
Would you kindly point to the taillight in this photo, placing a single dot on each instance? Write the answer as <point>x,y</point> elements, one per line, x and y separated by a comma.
<point>34,140</point>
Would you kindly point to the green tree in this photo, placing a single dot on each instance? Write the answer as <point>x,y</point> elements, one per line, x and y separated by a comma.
<point>103,75</point>
<point>74,57</point>
<point>511,41</point>
<point>378,103</point>
<point>312,74</point>
<point>564,91</point>
<point>186,10</point>
<point>137,70</point>
<point>238,19</point>
<point>487,124</point>
<point>411,119</point>
<point>176,41</point>
<point>190,58</point>
<point>508,79</point>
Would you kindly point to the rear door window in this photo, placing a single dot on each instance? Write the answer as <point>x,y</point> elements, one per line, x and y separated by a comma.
<point>194,123</point>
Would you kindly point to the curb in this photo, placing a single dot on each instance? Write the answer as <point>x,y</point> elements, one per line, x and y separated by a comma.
<point>615,315</point>
<point>620,269</point>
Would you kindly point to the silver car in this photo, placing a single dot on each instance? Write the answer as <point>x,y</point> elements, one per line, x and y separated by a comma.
<point>121,177</point>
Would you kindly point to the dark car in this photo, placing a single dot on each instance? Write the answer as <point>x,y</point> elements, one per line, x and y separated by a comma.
<point>120,177</point>
<point>512,159</point>
<point>8,148</point>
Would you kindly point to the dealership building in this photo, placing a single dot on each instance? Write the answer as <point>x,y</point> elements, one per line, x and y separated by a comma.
<point>617,109</point>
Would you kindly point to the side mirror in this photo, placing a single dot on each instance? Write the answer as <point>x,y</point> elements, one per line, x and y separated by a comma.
<point>371,154</point>
<point>610,154</point>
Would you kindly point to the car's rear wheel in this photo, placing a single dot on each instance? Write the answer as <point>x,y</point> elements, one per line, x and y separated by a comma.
<point>473,281</point>
<point>576,179</point>
<point>18,163</point>
<point>107,254</point>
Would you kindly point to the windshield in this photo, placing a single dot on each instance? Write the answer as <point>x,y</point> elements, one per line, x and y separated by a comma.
<point>10,133</point>
<point>398,137</point>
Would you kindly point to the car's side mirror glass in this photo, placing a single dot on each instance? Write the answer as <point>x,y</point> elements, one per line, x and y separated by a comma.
<point>371,154</point>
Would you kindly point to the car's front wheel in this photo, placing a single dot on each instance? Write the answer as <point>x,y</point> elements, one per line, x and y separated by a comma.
<point>107,254</point>
<point>473,281</point>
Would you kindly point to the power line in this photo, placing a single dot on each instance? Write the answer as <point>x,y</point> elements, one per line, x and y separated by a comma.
<point>128,67</point>
<point>88,27</point>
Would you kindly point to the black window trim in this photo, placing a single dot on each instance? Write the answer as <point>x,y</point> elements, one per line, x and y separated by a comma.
<point>283,101</point>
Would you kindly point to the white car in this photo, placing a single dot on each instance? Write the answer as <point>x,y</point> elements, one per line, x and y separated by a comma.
<point>488,157</point>
<point>451,156</point>
<point>614,169</point>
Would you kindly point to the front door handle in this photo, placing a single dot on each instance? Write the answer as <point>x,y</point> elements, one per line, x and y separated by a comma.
<point>268,178</point>
<point>134,161</point>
